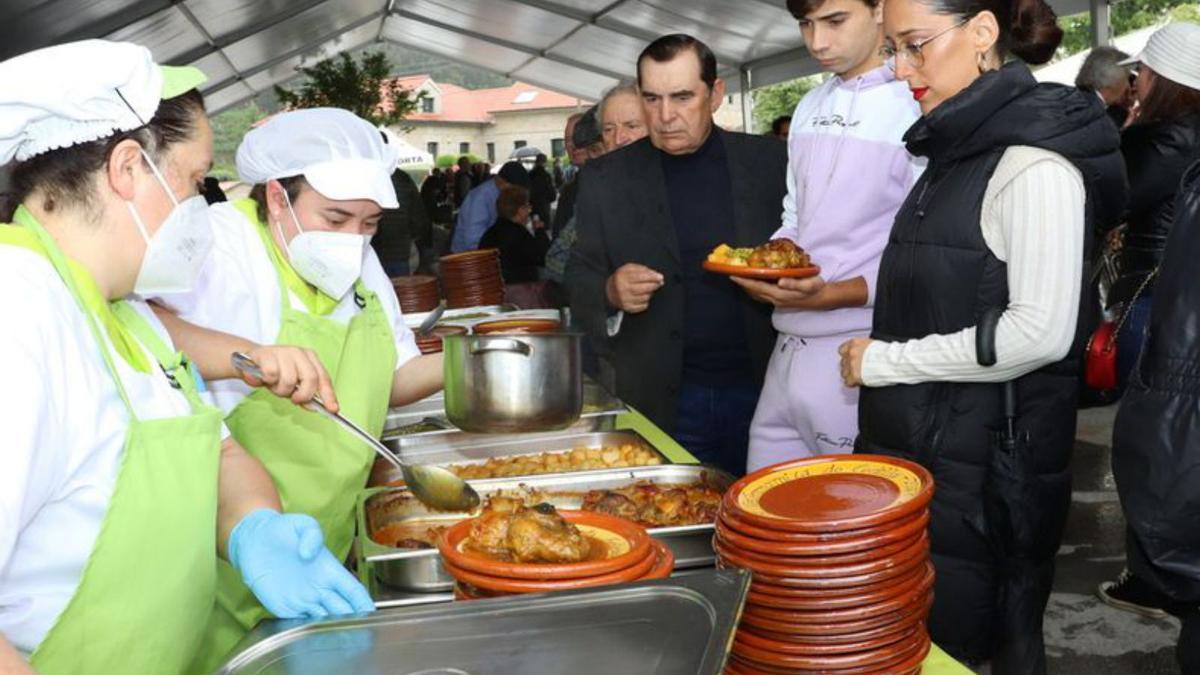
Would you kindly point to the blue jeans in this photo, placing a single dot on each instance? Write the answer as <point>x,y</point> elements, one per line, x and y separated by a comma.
<point>396,268</point>
<point>1131,339</point>
<point>713,423</point>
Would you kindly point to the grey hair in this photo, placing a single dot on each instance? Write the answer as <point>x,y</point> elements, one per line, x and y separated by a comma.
<point>622,88</point>
<point>1100,69</point>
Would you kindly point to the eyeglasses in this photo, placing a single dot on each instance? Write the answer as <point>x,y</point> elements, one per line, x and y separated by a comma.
<point>912,51</point>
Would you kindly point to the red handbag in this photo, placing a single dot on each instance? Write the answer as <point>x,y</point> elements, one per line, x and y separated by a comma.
<point>1100,358</point>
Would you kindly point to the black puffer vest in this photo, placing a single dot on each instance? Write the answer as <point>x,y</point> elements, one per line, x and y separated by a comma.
<point>937,275</point>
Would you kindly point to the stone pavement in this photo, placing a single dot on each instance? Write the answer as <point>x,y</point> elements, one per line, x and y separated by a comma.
<point>1084,636</point>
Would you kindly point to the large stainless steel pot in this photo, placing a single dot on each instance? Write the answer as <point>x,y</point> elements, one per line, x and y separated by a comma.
<point>513,383</point>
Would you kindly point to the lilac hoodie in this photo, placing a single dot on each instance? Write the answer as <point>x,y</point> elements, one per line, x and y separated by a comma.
<point>848,174</point>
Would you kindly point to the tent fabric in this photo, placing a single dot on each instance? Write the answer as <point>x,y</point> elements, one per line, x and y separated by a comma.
<point>578,47</point>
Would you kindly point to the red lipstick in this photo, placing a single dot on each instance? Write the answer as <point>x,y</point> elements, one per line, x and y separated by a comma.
<point>919,93</point>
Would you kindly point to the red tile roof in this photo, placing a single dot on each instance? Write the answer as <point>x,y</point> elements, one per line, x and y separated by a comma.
<point>477,106</point>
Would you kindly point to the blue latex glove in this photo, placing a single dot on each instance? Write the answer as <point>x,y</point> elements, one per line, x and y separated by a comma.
<point>283,560</point>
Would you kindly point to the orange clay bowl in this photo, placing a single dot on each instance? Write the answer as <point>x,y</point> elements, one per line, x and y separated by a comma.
<point>664,562</point>
<point>491,584</point>
<point>831,493</point>
<point>520,326</point>
<point>624,545</point>
<point>755,540</point>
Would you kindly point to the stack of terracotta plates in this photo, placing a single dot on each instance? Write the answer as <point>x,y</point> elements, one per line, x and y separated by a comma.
<point>621,552</point>
<point>840,559</point>
<point>432,343</point>
<point>416,293</point>
<point>472,278</point>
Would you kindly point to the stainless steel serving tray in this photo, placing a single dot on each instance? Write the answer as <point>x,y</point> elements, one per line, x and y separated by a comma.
<point>421,569</point>
<point>464,448</point>
<point>665,627</point>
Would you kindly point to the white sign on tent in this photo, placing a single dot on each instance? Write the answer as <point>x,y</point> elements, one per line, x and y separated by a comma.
<point>406,154</point>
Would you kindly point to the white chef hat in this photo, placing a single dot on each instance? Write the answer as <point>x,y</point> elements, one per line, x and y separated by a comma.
<point>340,154</point>
<point>81,91</point>
<point>1173,51</point>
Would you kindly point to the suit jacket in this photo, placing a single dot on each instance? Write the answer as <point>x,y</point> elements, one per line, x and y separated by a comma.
<point>622,216</point>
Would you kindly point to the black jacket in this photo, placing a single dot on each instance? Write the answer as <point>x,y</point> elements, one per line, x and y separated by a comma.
<point>541,192</point>
<point>1156,437</point>
<point>400,226</point>
<point>937,275</point>
<point>565,208</point>
<point>623,217</point>
<point>521,253</point>
<point>1156,155</point>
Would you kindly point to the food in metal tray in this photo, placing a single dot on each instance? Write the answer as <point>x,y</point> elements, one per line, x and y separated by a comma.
<point>645,503</point>
<point>579,459</point>
<point>653,505</point>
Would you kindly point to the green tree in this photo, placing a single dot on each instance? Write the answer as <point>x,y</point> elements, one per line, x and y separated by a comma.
<point>779,99</point>
<point>228,129</point>
<point>363,87</point>
<point>1125,17</point>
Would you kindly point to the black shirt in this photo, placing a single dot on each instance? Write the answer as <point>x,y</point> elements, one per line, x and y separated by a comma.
<point>700,196</point>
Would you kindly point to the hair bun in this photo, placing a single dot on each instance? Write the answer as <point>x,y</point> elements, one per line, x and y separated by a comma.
<point>1035,32</point>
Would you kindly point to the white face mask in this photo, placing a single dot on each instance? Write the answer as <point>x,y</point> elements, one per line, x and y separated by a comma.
<point>331,261</point>
<point>176,254</point>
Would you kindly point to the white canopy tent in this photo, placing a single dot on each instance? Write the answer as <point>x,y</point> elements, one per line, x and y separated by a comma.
<point>579,47</point>
<point>1064,72</point>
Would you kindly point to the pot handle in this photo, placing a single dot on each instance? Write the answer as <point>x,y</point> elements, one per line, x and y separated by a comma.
<point>513,346</point>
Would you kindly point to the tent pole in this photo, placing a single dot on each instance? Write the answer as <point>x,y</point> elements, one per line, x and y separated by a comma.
<point>747,101</point>
<point>1101,23</point>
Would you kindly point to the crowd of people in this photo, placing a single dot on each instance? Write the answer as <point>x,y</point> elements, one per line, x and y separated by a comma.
<point>973,227</point>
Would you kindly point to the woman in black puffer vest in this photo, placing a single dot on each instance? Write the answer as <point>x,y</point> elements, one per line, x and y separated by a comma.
<point>1020,177</point>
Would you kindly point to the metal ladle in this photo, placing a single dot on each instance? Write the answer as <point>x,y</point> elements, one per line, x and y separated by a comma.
<point>432,485</point>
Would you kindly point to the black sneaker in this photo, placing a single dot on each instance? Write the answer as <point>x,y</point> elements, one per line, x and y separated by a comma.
<point>1132,594</point>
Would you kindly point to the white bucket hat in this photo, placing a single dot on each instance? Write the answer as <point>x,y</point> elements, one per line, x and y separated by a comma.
<point>341,155</point>
<point>1173,51</point>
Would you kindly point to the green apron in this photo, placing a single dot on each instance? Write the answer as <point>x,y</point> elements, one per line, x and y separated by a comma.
<point>149,581</point>
<point>318,468</point>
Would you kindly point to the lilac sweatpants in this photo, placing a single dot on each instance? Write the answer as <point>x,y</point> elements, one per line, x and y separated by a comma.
<point>804,409</point>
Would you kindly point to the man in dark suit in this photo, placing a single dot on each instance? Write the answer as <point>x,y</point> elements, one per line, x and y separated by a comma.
<point>688,350</point>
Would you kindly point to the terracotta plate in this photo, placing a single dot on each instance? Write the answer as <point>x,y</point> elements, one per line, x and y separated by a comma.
<point>818,557</point>
<point>830,493</point>
<point>491,583</point>
<point>817,584</point>
<point>798,543</point>
<point>898,604</point>
<point>802,649</point>
<point>914,573</point>
<point>849,629</point>
<point>627,544</point>
<point>774,567</point>
<point>766,596</point>
<point>762,272</point>
<point>904,623</point>
<point>891,658</point>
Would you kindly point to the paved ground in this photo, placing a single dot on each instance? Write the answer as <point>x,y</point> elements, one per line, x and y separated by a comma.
<point>1082,635</point>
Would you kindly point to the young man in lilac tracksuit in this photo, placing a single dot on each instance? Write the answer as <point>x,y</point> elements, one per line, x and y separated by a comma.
<point>848,173</point>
